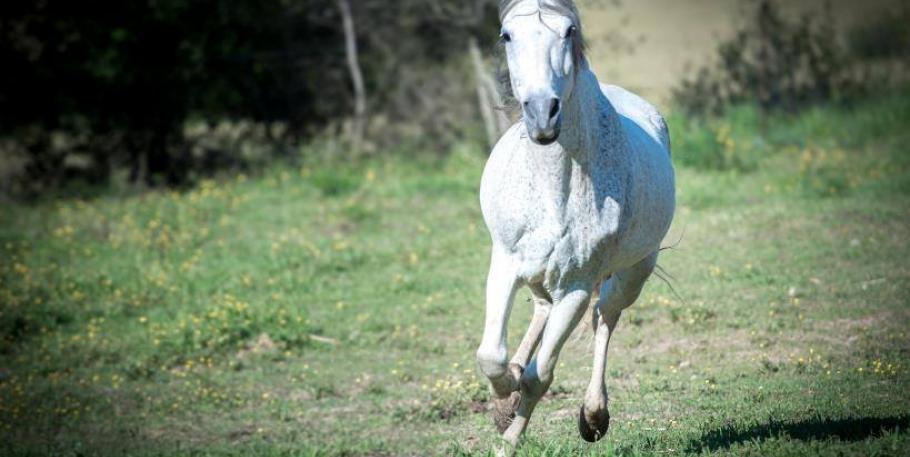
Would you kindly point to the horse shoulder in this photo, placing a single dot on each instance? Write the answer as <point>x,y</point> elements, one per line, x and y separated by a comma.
<point>504,188</point>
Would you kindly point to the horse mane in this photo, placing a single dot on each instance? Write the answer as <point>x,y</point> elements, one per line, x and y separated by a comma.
<point>565,8</point>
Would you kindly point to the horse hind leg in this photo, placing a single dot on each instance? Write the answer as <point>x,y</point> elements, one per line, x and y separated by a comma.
<point>616,294</point>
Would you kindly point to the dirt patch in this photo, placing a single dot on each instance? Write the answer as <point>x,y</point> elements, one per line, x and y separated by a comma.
<point>263,344</point>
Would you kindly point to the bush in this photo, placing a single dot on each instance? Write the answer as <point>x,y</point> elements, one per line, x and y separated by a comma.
<point>729,143</point>
<point>774,62</point>
<point>123,82</point>
<point>887,36</point>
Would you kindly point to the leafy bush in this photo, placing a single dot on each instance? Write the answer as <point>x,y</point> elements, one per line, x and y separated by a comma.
<point>334,182</point>
<point>731,143</point>
<point>885,36</point>
<point>774,62</point>
<point>122,80</point>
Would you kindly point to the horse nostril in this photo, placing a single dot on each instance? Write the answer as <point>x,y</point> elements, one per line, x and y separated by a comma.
<point>554,108</point>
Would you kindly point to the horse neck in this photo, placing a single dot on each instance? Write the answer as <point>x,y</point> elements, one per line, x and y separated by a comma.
<point>565,167</point>
<point>586,114</point>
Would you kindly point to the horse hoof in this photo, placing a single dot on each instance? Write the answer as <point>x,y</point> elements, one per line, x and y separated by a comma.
<point>516,370</point>
<point>592,428</point>
<point>504,411</point>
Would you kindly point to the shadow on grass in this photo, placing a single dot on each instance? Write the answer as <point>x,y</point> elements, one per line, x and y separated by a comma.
<point>854,429</point>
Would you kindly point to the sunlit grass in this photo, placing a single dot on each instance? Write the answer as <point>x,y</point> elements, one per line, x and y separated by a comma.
<point>333,309</point>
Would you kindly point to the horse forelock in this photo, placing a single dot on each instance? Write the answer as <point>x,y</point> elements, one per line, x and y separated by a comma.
<point>565,8</point>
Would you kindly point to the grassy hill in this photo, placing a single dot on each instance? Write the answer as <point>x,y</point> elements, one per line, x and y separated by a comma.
<point>334,308</point>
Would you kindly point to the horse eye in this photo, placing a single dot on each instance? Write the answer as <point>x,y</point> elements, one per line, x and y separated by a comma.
<point>570,32</point>
<point>505,37</point>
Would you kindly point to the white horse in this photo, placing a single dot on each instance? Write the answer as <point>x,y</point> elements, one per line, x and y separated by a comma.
<point>578,194</point>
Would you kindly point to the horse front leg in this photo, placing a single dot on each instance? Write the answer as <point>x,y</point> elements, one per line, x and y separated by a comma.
<point>538,376</point>
<point>492,355</point>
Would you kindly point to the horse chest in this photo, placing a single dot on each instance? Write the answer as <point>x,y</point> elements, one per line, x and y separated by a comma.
<point>557,245</point>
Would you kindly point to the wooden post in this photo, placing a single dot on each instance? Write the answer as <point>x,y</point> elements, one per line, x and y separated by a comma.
<point>360,97</point>
<point>490,103</point>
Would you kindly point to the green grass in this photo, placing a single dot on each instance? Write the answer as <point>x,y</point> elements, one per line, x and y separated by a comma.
<point>334,310</point>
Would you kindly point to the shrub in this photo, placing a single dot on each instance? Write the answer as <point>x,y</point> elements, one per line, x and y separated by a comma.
<point>886,36</point>
<point>731,143</point>
<point>774,62</point>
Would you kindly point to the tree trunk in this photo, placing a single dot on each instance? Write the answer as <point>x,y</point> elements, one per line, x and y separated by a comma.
<point>360,97</point>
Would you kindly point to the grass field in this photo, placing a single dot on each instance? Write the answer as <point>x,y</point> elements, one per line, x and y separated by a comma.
<point>334,309</point>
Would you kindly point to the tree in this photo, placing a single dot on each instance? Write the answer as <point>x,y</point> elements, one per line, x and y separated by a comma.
<point>122,78</point>
<point>360,96</point>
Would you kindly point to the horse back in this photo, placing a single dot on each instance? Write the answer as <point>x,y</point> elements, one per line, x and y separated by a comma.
<point>652,193</point>
<point>644,115</point>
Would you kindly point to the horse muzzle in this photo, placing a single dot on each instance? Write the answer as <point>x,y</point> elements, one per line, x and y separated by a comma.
<point>543,119</point>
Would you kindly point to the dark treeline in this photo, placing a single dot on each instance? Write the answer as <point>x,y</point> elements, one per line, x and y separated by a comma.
<point>160,92</point>
<point>118,81</point>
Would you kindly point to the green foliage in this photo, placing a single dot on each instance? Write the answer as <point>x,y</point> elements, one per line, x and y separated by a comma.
<point>887,36</point>
<point>732,142</point>
<point>335,181</point>
<point>121,80</point>
<point>774,62</point>
<point>821,137</point>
